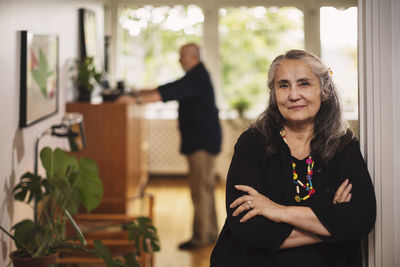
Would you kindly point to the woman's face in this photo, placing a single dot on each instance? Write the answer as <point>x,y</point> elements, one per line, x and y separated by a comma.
<point>298,92</point>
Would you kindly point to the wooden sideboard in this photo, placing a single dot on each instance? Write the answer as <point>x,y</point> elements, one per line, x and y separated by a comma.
<point>116,140</point>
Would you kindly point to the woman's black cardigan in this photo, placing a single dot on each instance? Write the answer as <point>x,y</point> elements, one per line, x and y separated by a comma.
<point>256,242</point>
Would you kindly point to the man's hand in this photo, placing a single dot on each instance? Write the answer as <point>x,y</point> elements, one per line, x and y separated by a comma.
<point>127,99</point>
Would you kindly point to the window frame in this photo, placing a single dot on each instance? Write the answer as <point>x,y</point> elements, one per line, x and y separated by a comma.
<point>211,55</point>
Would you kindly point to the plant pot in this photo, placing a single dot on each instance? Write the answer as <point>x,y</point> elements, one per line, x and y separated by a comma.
<point>84,94</point>
<point>44,261</point>
<point>240,111</point>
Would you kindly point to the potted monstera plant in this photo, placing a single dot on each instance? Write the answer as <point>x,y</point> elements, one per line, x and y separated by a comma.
<point>85,77</point>
<point>68,184</point>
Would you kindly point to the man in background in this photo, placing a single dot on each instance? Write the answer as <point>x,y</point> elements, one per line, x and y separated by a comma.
<point>200,138</point>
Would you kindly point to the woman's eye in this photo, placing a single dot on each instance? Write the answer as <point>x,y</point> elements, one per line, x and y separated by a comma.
<point>304,83</point>
<point>283,86</point>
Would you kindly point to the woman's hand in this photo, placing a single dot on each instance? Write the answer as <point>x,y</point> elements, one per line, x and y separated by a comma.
<point>343,193</point>
<point>258,204</point>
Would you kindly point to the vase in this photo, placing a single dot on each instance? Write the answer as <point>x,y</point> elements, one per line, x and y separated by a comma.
<point>44,261</point>
<point>84,94</point>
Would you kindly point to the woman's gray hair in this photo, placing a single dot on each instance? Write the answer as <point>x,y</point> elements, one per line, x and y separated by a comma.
<point>331,130</point>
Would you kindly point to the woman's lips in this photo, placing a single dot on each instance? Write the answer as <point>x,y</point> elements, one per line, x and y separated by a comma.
<point>297,107</point>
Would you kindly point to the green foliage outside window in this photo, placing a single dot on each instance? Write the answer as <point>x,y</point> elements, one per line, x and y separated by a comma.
<point>250,39</point>
<point>151,39</point>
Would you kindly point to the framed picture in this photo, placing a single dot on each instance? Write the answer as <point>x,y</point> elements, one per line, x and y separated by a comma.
<point>39,77</point>
<point>88,35</point>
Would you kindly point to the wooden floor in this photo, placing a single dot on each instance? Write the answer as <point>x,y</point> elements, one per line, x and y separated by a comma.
<point>173,213</point>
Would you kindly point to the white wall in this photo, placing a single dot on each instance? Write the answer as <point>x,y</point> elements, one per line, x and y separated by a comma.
<point>379,57</point>
<point>45,17</point>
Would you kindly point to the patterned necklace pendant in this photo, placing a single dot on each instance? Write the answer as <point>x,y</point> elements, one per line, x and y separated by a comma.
<point>308,185</point>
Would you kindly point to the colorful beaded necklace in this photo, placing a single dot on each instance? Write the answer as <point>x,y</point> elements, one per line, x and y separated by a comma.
<point>308,186</point>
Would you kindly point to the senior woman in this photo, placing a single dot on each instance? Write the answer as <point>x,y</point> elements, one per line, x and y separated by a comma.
<point>298,191</point>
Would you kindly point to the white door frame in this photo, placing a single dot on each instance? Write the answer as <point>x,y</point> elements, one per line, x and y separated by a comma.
<point>379,81</point>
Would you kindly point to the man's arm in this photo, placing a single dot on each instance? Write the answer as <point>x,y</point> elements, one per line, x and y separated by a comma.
<point>149,96</point>
<point>142,96</point>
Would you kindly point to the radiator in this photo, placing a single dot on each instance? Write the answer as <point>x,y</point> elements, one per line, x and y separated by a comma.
<point>164,143</point>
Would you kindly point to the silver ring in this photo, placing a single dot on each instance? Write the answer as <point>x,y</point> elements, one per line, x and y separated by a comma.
<point>249,203</point>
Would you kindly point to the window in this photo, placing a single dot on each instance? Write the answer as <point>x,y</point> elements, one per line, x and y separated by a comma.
<point>149,46</point>
<point>264,33</point>
<point>151,35</point>
<point>339,51</point>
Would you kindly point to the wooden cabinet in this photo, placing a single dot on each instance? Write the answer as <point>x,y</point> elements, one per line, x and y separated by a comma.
<point>116,140</point>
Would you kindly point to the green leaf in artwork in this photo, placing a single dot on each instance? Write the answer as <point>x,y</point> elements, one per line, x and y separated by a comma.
<point>42,62</point>
<point>41,73</point>
<point>40,80</point>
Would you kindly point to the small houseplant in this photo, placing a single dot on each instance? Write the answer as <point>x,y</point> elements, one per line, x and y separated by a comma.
<point>85,77</point>
<point>68,184</point>
<point>241,104</point>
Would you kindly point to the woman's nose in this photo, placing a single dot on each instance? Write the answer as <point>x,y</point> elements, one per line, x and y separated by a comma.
<point>294,93</point>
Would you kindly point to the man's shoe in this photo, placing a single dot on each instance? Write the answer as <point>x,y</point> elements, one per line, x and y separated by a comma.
<point>188,245</point>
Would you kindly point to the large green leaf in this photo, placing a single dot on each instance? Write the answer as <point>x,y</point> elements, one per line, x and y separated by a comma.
<point>72,204</point>
<point>141,231</point>
<point>103,252</point>
<point>74,182</point>
<point>47,158</point>
<point>88,165</point>
<point>31,185</point>
<point>62,191</point>
<point>61,183</point>
<point>25,232</point>
<point>89,185</point>
<point>64,162</point>
<point>130,260</point>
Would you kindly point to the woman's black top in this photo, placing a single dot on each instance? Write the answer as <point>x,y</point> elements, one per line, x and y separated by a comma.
<point>256,242</point>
